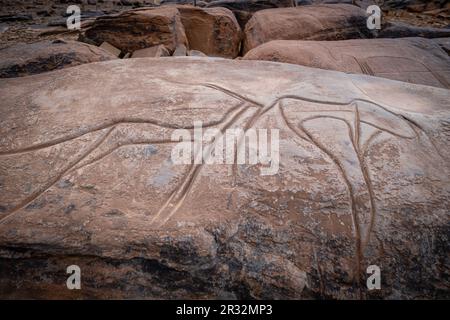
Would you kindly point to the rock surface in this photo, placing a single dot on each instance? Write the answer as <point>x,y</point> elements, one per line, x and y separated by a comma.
<point>399,29</point>
<point>414,60</point>
<point>86,179</point>
<point>244,9</point>
<point>139,29</point>
<point>153,52</point>
<point>315,22</point>
<point>214,31</point>
<point>27,59</point>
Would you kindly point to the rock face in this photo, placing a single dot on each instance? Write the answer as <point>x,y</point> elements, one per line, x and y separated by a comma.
<point>27,59</point>
<point>244,9</point>
<point>444,43</point>
<point>153,52</point>
<point>139,29</point>
<point>214,31</point>
<point>414,60</point>
<point>399,29</point>
<point>87,179</point>
<point>315,22</point>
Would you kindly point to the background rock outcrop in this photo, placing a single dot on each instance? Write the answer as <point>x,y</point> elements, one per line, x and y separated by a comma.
<point>315,22</point>
<point>139,29</point>
<point>87,179</point>
<point>27,59</point>
<point>414,60</point>
<point>244,9</point>
<point>213,31</point>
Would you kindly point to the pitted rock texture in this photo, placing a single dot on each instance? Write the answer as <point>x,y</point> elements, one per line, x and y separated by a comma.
<point>27,59</point>
<point>314,22</point>
<point>86,178</point>
<point>214,31</point>
<point>414,60</point>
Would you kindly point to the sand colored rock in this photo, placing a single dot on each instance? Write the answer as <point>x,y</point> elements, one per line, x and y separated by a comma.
<point>400,29</point>
<point>244,9</point>
<point>196,53</point>
<point>139,29</point>
<point>153,52</point>
<point>111,49</point>
<point>27,59</point>
<point>314,22</point>
<point>414,60</point>
<point>444,43</point>
<point>86,178</point>
<point>214,31</point>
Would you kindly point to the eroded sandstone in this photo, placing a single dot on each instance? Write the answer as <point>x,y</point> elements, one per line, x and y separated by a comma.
<point>27,59</point>
<point>313,22</point>
<point>86,178</point>
<point>414,60</point>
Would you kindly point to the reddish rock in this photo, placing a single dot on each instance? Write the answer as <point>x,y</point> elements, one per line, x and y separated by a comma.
<point>315,22</point>
<point>414,60</point>
<point>214,31</point>
<point>87,179</point>
<point>400,29</point>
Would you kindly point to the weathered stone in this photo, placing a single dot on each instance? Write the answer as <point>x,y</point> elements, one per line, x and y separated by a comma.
<point>27,59</point>
<point>214,31</point>
<point>315,22</point>
<point>111,49</point>
<point>399,29</point>
<point>196,53</point>
<point>86,179</point>
<point>139,29</point>
<point>414,60</point>
<point>153,52</point>
<point>244,9</point>
<point>180,51</point>
<point>444,43</point>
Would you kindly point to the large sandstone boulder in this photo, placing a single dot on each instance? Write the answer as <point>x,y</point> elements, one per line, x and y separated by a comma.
<point>87,179</point>
<point>139,29</point>
<point>414,60</point>
<point>444,43</point>
<point>315,22</point>
<point>26,59</point>
<point>214,31</point>
<point>244,9</point>
<point>400,29</point>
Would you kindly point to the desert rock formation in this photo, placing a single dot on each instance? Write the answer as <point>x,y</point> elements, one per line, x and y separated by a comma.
<point>26,59</point>
<point>414,60</point>
<point>214,31</point>
<point>319,22</point>
<point>87,179</point>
